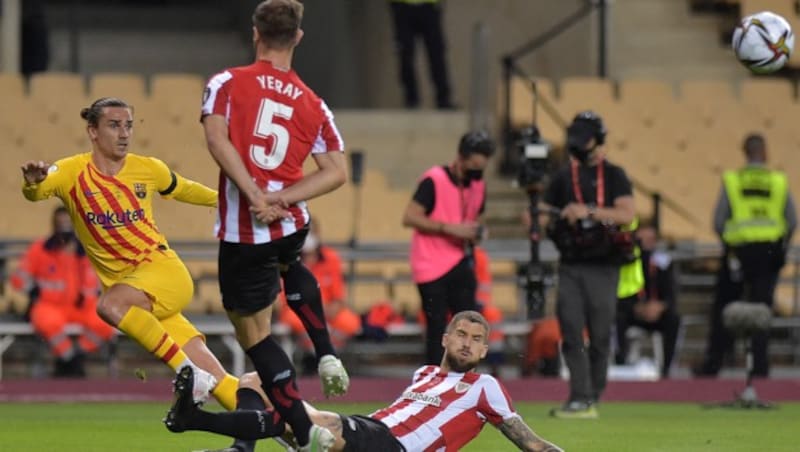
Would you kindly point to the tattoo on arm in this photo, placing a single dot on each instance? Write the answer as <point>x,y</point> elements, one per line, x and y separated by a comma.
<point>522,436</point>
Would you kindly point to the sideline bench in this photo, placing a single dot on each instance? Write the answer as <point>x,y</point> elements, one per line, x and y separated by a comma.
<point>212,326</point>
<point>219,326</point>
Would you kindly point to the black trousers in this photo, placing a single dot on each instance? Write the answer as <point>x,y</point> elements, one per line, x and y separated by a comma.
<point>453,292</point>
<point>755,282</point>
<point>586,297</point>
<point>423,20</point>
<point>668,325</point>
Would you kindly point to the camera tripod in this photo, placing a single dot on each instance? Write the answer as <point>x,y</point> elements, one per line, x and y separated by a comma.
<point>535,278</point>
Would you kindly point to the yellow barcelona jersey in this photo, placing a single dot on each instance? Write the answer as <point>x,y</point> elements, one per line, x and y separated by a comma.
<point>113,215</point>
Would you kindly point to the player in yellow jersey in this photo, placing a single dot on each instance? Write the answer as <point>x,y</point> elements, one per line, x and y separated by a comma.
<point>109,193</point>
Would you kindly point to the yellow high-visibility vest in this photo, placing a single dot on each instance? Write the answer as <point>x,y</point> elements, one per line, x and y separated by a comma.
<point>757,198</point>
<point>631,275</point>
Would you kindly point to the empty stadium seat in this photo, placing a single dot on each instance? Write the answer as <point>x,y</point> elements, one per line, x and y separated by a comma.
<point>523,100</point>
<point>178,97</point>
<point>129,87</point>
<point>646,99</point>
<point>12,86</point>
<point>61,96</point>
<point>766,99</point>
<point>585,93</point>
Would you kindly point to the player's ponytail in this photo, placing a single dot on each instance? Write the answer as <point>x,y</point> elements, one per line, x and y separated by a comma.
<point>92,113</point>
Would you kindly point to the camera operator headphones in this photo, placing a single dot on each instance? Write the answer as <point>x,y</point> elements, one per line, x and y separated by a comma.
<point>594,121</point>
<point>475,142</point>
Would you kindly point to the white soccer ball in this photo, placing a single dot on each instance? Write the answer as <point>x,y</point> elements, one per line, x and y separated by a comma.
<point>763,42</point>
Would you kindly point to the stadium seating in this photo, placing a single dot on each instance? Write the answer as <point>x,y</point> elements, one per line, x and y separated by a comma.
<point>130,87</point>
<point>672,139</point>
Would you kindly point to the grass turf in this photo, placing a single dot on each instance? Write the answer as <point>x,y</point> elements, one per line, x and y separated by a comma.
<point>133,427</point>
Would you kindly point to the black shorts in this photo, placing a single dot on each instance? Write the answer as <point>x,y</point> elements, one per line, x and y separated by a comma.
<point>364,434</point>
<point>249,275</point>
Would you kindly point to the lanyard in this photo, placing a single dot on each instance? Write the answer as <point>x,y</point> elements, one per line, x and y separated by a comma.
<point>601,183</point>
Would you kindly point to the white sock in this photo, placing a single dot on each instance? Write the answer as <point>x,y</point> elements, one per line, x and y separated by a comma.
<point>184,363</point>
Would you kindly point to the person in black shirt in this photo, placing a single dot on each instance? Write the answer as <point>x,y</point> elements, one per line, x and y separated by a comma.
<point>444,213</point>
<point>412,19</point>
<point>654,308</point>
<point>594,198</point>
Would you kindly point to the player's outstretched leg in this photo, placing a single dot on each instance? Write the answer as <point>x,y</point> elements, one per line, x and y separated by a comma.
<point>184,407</point>
<point>185,415</point>
<point>304,298</point>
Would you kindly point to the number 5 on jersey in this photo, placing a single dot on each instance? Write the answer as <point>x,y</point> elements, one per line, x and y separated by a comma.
<point>265,128</point>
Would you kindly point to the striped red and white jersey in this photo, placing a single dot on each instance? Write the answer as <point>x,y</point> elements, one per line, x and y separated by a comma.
<point>274,121</point>
<point>443,411</point>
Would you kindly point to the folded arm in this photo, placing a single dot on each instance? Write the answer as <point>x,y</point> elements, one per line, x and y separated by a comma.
<point>226,156</point>
<point>330,175</point>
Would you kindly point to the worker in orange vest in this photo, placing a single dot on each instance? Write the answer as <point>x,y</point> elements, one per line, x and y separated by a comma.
<point>63,287</point>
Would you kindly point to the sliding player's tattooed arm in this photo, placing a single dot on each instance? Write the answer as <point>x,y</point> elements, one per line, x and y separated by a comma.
<point>518,432</point>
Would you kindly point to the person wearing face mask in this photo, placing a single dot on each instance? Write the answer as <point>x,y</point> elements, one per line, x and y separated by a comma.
<point>595,201</point>
<point>444,213</point>
<point>63,287</point>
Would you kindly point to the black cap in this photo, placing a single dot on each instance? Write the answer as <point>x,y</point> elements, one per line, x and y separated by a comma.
<point>585,126</point>
<point>476,142</point>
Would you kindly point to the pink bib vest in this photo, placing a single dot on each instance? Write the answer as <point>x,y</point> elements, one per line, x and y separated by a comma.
<point>432,254</point>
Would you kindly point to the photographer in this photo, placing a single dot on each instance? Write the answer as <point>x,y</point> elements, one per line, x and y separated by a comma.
<point>444,214</point>
<point>595,199</point>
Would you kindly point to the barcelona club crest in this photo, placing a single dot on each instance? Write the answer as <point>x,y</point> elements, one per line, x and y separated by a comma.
<point>140,190</point>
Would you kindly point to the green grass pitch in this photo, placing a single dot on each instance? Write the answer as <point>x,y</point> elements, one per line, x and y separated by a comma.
<point>635,427</point>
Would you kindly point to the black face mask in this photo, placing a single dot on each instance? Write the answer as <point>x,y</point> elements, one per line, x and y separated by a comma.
<point>473,174</point>
<point>580,153</point>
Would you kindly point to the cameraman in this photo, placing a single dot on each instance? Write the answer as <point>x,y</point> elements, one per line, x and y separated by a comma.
<point>444,214</point>
<point>595,200</point>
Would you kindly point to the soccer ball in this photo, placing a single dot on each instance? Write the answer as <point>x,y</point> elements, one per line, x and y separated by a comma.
<point>763,42</point>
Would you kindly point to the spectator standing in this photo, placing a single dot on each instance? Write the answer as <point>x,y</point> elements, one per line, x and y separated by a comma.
<point>413,18</point>
<point>755,218</point>
<point>444,214</point>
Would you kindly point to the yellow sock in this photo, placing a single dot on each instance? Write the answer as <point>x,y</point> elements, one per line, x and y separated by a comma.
<point>225,392</point>
<point>145,329</point>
